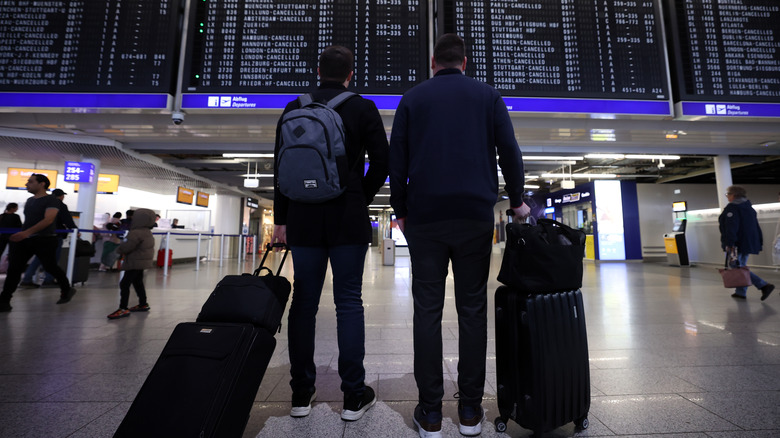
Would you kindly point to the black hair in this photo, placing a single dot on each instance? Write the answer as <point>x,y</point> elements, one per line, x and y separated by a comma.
<point>118,215</point>
<point>129,213</point>
<point>336,62</point>
<point>449,51</point>
<point>41,178</point>
<point>11,205</point>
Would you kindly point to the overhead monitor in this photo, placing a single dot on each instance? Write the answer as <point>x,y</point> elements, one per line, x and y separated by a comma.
<point>679,206</point>
<point>77,171</point>
<point>567,56</point>
<point>107,184</point>
<point>725,57</point>
<point>185,195</point>
<point>238,50</point>
<point>202,199</point>
<point>88,54</point>
<point>252,203</point>
<point>17,177</point>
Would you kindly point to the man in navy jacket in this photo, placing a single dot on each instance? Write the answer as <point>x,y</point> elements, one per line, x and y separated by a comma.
<point>741,234</point>
<point>339,231</point>
<point>444,186</point>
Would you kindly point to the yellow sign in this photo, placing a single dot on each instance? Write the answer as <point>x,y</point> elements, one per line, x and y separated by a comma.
<point>202,200</point>
<point>17,177</point>
<point>185,195</point>
<point>107,183</point>
<point>671,245</point>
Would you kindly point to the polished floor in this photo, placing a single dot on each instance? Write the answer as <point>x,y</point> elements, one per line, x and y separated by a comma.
<point>671,355</point>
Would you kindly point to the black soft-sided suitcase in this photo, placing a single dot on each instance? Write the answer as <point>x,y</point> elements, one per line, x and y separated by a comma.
<point>206,379</point>
<point>258,300</point>
<point>203,384</point>
<point>542,365</point>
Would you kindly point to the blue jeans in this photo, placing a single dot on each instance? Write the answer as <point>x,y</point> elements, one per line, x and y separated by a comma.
<point>36,263</point>
<point>311,264</point>
<point>755,279</point>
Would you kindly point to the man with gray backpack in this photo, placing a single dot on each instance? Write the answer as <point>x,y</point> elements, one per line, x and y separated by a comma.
<point>321,200</point>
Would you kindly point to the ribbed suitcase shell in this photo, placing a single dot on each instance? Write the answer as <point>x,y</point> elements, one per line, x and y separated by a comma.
<point>542,364</point>
<point>203,384</point>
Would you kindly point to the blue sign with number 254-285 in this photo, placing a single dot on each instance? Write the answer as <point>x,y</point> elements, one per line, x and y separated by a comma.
<point>78,172</point>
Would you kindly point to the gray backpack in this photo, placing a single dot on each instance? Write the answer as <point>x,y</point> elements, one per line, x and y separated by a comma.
<point>311,164</point>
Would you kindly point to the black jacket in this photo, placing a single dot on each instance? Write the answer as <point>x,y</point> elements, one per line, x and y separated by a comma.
<point>739,227</point>
<point>343,220</point>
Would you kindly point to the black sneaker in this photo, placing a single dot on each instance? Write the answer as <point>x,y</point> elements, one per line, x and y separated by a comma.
<point>428,423</point>
<point>736,295</point>
<point>355,405</point>
<point>28,285</point>
<point>301,402</point>
<point>64,298</point>
<point>766,290</point>
<point>5,306</point>
<point>470,419</point>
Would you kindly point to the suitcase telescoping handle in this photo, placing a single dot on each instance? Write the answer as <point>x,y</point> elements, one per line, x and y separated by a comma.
<point>268,248</point>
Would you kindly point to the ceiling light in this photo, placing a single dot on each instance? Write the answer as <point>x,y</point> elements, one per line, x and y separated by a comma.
<point>671,136</point>
<point>530,186</point>
<point>602,135</point>
<point>579,175</point>
<point>551,158</point>
<point>257,175</point>
<point>653,157</point>
<point>248,155</point>
<point>251,183</point>
<point>606,156</point>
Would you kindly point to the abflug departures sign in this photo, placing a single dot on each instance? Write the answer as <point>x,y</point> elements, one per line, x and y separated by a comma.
<point>116,46</point>
<point>265,46</point>
<point>587,49</point>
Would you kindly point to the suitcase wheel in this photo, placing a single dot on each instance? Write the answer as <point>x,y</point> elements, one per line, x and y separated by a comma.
<point>581,424</point>
<point>501,424</point>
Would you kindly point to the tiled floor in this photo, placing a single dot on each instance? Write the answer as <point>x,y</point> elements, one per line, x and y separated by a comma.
<point>671,355</point>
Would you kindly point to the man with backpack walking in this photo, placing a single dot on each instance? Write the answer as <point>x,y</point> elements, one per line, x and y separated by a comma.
<point>321,203</point>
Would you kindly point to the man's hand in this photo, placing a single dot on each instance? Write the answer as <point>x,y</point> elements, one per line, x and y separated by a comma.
<point>279,236</point>
<point>401,221</point>
<point>522,211</point>
<point>18,237</point>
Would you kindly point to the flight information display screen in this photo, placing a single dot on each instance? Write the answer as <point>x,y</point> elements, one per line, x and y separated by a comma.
<point>726,50</point>
<point>598,49</point>
<point>101,46</point>
<point>273,46</point>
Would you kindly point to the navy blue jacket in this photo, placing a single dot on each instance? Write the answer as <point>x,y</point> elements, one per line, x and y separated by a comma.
<point>446,133</point>
<point>739,227</point>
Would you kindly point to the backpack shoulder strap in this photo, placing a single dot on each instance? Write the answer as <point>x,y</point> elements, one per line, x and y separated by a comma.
<point>338,100</point>
<point>305,100</point>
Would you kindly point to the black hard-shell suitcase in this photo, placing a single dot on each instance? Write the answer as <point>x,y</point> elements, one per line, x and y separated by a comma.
<point>80,267</point>
<point>206,379</point>
<point>203,384</point>
<point>542,367</point>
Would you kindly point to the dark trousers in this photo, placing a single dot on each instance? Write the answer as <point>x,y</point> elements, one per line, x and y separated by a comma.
<point>3,243</point>
<point>311,265</point>
<point>36,263</point>
<point>468,245</point>
<point>45,248</point>
<point>133,277</point>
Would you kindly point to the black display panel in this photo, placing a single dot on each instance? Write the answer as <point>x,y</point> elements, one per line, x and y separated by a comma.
<point>106,46</point>
<point>599,49</point>
<point>261,46</point>
<point>725,50</point>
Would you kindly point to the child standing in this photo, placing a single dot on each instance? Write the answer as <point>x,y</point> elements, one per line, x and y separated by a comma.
<point>138,250</point>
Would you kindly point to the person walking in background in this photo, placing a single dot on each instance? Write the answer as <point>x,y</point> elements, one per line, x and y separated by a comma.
<point>138,252</point>
<point>740,236</point>
<point>444,185</point>
<point>9,219</point>
<point>110,243</point>
<point>64,221</point>
<point>339,231</point>
<point>36,238</point>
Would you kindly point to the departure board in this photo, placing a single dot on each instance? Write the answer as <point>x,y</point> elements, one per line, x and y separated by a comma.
<point>105,46</point>
<point>597,49</point>
<point>273,46</point>
<point>726,50</point>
